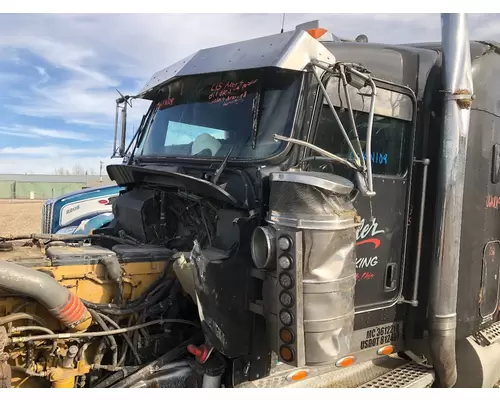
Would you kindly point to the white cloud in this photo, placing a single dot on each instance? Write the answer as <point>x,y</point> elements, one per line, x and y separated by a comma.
<point>79,60</point>
<point>100,56</point>
<point>49,151</point>
<point>35,132</point>
<point>89,123</point>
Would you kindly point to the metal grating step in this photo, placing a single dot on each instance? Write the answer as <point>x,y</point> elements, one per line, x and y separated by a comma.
<point>332,377</point>
<point>491,334</point>
<point>410,375</point>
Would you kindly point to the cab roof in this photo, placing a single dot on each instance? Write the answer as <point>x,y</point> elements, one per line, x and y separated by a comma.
<point>405,64</point>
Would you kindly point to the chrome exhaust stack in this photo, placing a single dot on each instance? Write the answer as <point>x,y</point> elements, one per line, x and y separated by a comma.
<point>457,82</point>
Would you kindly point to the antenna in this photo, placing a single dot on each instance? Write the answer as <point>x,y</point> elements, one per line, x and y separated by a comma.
<point>283,23</point>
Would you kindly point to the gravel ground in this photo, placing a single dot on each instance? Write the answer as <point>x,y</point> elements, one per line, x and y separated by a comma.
<point>19,217</point>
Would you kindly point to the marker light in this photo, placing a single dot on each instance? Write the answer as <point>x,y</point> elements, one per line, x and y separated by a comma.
<point>284,243</point>
<point>286,281</point>
<point>286,318</point>
<point>286,353</point>
<point>386,350</point>
<point>286,299</point>
<point>286,335</point>
<point>345,362</point>
<point>297,376</point>
<point>285,262</point>
<point>316,33</point>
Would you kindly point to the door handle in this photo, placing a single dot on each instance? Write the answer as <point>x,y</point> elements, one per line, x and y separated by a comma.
<point>391,277</point>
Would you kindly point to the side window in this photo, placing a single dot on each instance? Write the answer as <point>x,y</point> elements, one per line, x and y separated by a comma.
<point>390,131</point>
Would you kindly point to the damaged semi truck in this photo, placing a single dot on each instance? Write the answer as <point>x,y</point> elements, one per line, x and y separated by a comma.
<point>295,210</point>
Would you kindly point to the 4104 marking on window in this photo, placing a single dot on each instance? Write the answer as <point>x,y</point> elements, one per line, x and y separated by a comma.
<point>378,158</point>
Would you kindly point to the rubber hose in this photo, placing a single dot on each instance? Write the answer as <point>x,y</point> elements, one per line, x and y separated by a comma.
<point>122,374</point>
<point>173,375</point>
<point>19,316</point>
<point>114,270</point>
<point>112,342</point>
<point>154,366</point>
<point>23,339</point>
<point>61,303</point>
<point>104,309</point>
<point>138,302</point>
<point>19,329</point>
<point>125,337</point>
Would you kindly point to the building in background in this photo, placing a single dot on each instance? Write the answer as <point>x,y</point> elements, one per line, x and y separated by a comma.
<point>42,187</point>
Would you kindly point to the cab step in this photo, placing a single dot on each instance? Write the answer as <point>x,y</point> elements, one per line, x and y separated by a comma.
<point>410,375</point>
<point>489,335</point>
<point>384,372</point>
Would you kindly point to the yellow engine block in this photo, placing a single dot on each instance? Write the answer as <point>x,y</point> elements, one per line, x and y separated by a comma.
<point>78,269</point>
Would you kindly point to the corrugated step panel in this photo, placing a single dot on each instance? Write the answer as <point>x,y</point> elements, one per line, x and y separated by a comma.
<point>490,335</point>
<point>409,375</point>
<point>376,372</point>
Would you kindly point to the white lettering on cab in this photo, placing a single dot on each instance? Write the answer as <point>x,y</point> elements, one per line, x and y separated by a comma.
<point>369,229</point>
<point>364,235</point>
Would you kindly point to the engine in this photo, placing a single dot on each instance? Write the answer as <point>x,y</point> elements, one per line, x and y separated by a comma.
<point>170,219</point>
<point>111,309</point>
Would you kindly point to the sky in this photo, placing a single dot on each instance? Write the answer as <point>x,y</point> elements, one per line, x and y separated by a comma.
<point>59,72</point>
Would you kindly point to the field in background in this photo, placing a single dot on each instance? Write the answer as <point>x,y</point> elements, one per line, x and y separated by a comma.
<point>38,186</point>
<point>19,217</point>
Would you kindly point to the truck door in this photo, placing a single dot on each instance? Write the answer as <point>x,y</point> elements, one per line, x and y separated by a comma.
<point>381,236</point>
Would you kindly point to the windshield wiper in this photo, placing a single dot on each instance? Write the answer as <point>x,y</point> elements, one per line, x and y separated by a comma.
<point>141,131</point>
<point>219,170</point>
<point>134,138</point>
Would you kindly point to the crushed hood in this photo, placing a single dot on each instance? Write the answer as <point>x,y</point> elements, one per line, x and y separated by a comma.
<point>128,174</point>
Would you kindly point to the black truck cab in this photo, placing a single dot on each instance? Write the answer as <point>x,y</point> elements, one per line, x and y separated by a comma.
<point>320,264</point>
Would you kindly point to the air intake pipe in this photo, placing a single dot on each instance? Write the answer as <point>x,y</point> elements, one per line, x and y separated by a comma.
<point>457,80</point>
<point>61,303</point>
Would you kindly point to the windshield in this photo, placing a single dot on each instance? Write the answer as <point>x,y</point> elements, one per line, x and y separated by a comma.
<point>206,116</point>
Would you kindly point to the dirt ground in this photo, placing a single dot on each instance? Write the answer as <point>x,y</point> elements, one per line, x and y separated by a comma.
<point>19,217</point>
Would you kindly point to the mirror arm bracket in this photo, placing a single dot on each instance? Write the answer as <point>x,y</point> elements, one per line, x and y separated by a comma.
<point>352,69</point>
